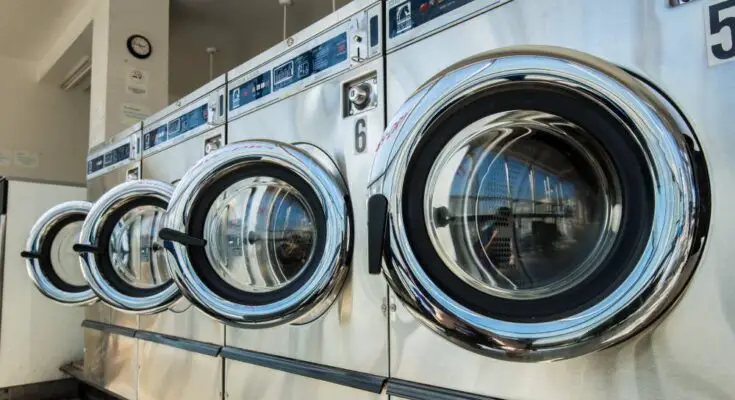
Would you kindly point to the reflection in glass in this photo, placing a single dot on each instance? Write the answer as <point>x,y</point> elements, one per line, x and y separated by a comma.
<point>135,250</point>
<point>520,206</point>
<point>264,232</point>
<point>64,260</point>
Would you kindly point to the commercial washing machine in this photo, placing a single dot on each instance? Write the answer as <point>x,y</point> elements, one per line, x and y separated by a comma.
<point>181,344</point>
<point>543,195</point>
<point>43,333</point>
<point>263,232</point>
<point>110,358</point>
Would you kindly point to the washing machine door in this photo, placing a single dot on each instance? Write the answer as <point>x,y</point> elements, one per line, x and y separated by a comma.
<point>258,233</point>
<point>122,258</point>
<point>537,204</point>
<point>52,264</point>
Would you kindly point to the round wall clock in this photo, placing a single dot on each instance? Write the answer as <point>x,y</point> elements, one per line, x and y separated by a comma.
<point>139,46</point>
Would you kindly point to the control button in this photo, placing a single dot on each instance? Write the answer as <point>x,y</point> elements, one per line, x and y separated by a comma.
<point>424,7</point>
<point>359,95</point>
<point>212,144</point>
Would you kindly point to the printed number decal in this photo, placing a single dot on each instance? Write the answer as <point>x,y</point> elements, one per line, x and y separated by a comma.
<point>360,135</point>
<point>720,17</point>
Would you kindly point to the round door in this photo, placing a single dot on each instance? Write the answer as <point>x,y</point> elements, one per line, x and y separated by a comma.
<point>122,256</point>
<point>258,233</point>
<point>538,204</point>
<point>52,264</point>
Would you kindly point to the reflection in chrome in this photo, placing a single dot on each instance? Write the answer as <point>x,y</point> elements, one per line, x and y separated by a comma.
<point>320,289</point>
<point>518,208</point>
<point>680,220</point>
<point>64,259</point>
<point>263,232</point>
<point>132,244</point>
<point>59,254</point>
<point>134,248</point>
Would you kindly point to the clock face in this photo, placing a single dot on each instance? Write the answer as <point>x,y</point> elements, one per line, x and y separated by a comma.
<point>139,46</point>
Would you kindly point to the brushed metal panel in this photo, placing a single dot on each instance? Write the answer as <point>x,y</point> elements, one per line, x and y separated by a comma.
<point>95,352</point>
<point>666,45</point>
<point>170,164</point>
<point>189,323</point>
<point>98,185</point>
<point>247,381</point>
<point>120,366</point>
<point>170,373</point>
<point>352,333</point>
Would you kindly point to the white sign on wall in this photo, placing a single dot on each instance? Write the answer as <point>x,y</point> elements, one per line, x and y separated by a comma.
<point>136,82</point>
<point>133,113</point>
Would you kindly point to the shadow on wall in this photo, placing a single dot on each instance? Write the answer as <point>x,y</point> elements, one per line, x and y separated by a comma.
<point>44,133</point>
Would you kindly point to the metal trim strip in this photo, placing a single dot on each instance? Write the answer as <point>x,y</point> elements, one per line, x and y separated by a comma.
<point>208,349</point>
<point>420,391</point>
<point>103,327</point>
<point>358,380</point>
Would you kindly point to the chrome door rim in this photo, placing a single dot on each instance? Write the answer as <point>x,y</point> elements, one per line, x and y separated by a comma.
<point>661,272</point>
<point>90,236</point>
<point>318,293</point>
<point>36,238</point>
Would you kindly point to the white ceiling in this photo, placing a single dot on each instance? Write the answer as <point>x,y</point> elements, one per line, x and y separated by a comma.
<point>27,26</point>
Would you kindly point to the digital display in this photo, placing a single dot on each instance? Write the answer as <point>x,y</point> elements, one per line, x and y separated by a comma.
<point>413,13</point>
<point>95,164</point>
<point>319,58</point>
<point>156,137</point>
<point>283,73</point>
<point>174,127</point>
<point>119,154</point>
<point>252,90</point>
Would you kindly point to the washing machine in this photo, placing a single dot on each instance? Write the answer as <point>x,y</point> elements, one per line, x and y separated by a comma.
<point>268,234</point>
<point>110,357</point>
<point>542,199</point>
<point>52,264</point>
<point>181,343</point>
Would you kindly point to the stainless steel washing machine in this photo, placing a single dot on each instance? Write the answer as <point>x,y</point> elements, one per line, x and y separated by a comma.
<point>181,344</point>
<point>110,357</point>
<point>543,192</point>
<point>263,231</point>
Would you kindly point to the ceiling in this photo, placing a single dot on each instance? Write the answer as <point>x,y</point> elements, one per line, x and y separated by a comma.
<point>27,26</point>
<point>238,29</point>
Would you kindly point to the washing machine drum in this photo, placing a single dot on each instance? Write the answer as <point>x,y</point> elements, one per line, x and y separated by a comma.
<point>122,256</point>
<point>258,233</point>
<point>536,206</point>
<point>52,264</point>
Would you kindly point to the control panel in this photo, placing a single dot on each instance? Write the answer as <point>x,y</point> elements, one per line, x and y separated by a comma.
<point>317,59</point>
<point>112,156</point>
<point>406,16</point>
<point>350,42</point>
<point>191,120</point>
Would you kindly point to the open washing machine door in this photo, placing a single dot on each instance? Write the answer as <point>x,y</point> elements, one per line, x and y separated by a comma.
<point>52,264</point>
<point>258,233</point>
<point>122,258</point>
<point>537,204</point>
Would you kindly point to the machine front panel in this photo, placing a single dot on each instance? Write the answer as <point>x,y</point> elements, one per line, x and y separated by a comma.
<point>169,373</point>
<point>351,334</point>
<point>657,364</point>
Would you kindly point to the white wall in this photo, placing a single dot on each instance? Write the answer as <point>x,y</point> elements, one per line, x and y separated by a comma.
<point>43,130</point>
